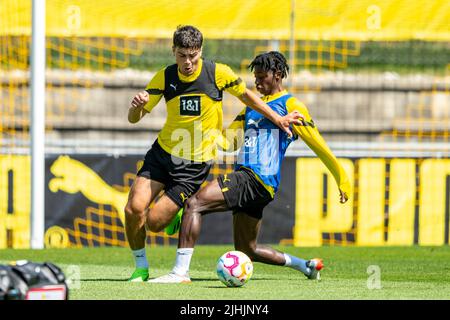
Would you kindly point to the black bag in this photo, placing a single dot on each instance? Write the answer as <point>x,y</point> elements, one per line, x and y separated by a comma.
<point>26,280</point>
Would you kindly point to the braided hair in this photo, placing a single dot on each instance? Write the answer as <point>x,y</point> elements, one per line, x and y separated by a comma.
<point>272,60</point>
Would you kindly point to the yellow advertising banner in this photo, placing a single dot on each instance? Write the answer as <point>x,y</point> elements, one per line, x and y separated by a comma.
<point>355,20</point>
<point>393,202</point>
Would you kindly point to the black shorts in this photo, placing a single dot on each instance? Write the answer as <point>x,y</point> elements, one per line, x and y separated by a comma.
<point>182,178</point>
<point>244,193</point>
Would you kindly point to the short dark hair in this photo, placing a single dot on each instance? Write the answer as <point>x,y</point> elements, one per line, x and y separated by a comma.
<point>272,60</point>
<point>187,37</point>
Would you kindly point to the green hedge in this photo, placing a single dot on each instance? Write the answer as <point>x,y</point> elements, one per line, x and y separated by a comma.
<point>106,54</point>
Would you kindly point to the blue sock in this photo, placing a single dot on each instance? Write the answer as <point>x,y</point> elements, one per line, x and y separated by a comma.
<point>296,263</point>
<point>140,258</point>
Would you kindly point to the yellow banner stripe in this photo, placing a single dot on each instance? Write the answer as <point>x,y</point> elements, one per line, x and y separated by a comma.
<point>263,19</point>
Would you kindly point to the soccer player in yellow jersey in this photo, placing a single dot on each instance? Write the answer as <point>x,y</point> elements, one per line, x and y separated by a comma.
<point>253,184</point>
<point>180,159</point>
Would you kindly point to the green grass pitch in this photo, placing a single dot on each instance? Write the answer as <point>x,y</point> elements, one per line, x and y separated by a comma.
<point>405,273</point>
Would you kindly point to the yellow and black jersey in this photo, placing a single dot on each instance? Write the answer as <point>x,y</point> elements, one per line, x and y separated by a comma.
<point>194,107</point>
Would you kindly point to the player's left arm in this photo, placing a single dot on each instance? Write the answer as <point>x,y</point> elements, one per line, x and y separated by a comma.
<point>312,137</point>
<point>232,137</point>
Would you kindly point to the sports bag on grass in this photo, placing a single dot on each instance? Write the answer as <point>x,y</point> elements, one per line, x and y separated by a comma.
<point>24,280</point>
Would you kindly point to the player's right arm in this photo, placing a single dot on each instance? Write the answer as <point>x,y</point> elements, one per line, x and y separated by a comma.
<point>227,80</point>
<point>143,102</point>
<point>136,112</point>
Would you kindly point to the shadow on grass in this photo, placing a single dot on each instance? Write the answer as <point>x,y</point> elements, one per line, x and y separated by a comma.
<point>193,279</point>
<point>99,280</point>
<point>214,279</point>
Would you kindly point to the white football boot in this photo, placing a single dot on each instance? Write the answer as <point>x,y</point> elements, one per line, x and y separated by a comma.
<point>315,265</point>
<point>171,278</point>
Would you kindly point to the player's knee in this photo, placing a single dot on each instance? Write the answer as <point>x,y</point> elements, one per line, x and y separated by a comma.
<point>133,210</point>
<point>246,248</point>
<point>156,220</point>
<point>154,226</point>
<point>193,205</point>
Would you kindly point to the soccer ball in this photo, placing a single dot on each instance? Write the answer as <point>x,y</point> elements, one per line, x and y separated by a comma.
<point>234,268</point>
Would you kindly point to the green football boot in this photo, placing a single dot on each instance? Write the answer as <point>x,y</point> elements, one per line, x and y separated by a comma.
<point>139,275</point>
<point>175,224</point>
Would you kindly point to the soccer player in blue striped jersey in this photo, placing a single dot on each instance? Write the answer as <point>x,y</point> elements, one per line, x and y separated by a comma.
<point>255,180</point>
